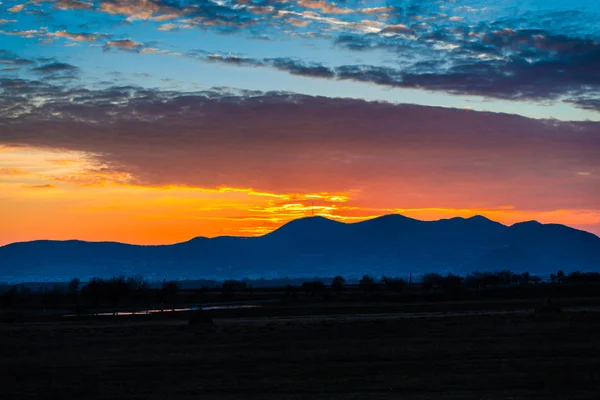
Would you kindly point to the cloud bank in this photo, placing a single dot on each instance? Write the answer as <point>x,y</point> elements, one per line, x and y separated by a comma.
<point>282,142</point>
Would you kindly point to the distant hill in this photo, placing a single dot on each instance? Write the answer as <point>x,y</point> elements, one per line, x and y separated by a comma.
<point>393,245</point>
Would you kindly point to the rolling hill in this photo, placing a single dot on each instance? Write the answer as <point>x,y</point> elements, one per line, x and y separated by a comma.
<point>392,245</point>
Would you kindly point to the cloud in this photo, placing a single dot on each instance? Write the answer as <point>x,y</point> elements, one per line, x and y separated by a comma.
<point>538,55</point>
<point>9,58</point>
<point>262,10</point>
<point>167,27</point>
<point>72,5</point>
<point>174,27</point>
<point>17,8</point>
<point>47,186</point>
<point>326,7</point>
<point>12,172</point>
<point>297,22</point>
<point>354,42</point>
<point>228,59</point>
<point>291,65</point>
<point>287,143</point>
<point>30,33</point>
<point>124,44</point>
<point>139,9</point>
<point>587,103</point>
<point>298,67</point>
<point>398,28</point>
<point>78,37</point>
<point>503,59</point>
<point>377,10</point>
<point>56,68</point>
<point>530,65</point>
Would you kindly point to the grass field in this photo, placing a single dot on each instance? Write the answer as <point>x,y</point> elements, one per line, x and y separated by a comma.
<point>517,356</point>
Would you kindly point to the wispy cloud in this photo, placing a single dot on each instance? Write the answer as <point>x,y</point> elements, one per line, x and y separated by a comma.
<point>57,68</point>
<point>46,186</point>
<point>12,172</point>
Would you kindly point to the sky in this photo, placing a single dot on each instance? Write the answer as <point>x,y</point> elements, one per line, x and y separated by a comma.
<point>158,121</point>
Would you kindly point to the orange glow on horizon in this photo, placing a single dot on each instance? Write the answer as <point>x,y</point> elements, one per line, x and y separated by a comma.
<point>52,194</point>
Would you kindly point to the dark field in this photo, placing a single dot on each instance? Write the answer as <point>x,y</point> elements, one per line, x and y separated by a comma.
<point>520,356</point>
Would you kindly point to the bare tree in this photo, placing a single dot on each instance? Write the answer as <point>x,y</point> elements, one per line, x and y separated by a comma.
<point>367,284</point>
<point>73,290</point>
<point>338,284</point>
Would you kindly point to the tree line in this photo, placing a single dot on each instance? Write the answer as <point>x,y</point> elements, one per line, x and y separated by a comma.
<point>98,292</point>
<point>434,280</point>
<point>116,291</point>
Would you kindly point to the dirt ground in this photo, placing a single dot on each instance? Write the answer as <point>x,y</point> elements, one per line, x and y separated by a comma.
<point>462,357</point>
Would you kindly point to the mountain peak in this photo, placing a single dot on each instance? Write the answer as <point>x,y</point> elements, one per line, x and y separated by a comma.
<point>306,224</point>
<point>483,220</point>
<point>313,219</point>
<point>395,216</point>
<point>475,219</point>
<point>195,239</point>
<point>387,219</point>
<point>479,218</point>
<point>531,223</point>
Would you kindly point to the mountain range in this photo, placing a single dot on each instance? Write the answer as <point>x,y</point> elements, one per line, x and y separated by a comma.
<point>393,245</point>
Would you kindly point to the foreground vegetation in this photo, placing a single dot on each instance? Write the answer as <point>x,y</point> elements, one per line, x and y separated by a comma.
<point>138,293</point>
<point>443,338</point>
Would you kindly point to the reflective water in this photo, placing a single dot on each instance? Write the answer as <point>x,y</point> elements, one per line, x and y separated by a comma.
<point>170,310</point>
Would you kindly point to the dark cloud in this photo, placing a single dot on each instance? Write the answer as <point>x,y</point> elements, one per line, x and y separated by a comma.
<point>366,73</point>
<point>57,70</point>
<point>514,80</point>
<point>587,103</point>
<point>293,66</point>
<point>537,55</point>
<point>9,58</point>
<point>516,64</point>
<point>298,67</point>
<point>529,64</point>
<point>355,42</point>
<point>227,59</point>
<point>285,142</point>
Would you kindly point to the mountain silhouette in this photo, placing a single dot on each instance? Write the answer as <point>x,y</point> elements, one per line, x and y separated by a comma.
<point>315,246</point>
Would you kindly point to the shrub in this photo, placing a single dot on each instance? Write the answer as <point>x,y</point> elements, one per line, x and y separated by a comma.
<point>338,284</point>
<point>367,284</point>
<point>393,284</point>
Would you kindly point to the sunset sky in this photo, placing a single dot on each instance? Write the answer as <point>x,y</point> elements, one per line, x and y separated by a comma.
<point>157,121</point>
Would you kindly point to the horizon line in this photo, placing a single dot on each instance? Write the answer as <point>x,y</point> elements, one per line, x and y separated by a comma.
<point>303,217</point>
